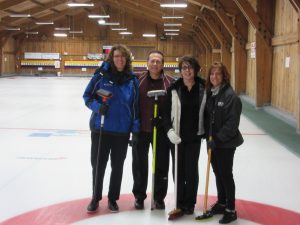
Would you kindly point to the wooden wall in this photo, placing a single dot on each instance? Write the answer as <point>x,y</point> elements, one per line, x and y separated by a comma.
<point>285,88</point>
<point>8,57</point>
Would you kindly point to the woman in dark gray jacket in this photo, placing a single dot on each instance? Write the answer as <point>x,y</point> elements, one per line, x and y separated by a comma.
<point>222,117</point>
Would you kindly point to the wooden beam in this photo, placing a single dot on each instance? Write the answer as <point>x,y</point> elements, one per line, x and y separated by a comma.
<point>298,76</point>
<point>295,4</point>
<point>225,44</point>
<point>35,10</point>
<point>214,27</point>
<point>285,39</point>
<point>254,19</point>
<point>210,36</point>
<point>202,3</point>
<point>232,29</point>
<point>7,4</point>
<point>202,38</point>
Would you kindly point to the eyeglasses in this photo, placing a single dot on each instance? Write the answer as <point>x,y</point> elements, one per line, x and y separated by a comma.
<point>187,68</point>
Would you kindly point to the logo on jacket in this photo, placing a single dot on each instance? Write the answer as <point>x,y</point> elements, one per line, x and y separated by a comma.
<point>220,104</point>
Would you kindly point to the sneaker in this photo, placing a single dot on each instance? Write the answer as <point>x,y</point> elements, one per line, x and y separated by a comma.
<point>139,204</point>
<point>228,217</point>
<point>113,206</point>
<point>159,204</point>
<point>93,206</point>
<point>216,208</point>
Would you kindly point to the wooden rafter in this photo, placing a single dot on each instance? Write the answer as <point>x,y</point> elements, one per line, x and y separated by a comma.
<point>214,28</point>
<point>254,19</point>
<point>295,4</point>
<point>232,29</point>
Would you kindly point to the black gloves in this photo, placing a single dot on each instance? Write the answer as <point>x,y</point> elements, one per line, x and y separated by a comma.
<point>103,109</point>
<point>134,139</point>
<point>211,144</point>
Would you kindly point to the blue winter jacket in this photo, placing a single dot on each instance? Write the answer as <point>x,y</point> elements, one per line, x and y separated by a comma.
<point>122,116</point>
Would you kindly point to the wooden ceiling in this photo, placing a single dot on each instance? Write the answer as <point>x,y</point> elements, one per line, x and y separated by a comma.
<point>202,18</point>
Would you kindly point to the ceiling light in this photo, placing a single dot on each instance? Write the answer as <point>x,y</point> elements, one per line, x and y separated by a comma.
<point>12,28</point>
<point>149,35</point>
<point>174,5</point>
<point>172,17</point>
<point>171,34</point>
<point>119,29</point>
<point>102,21</point>
<point>60,35</point>
<point>172,30</point>
<point>98,16</point>
<point>32,32</point>
<point>44,23</point>
<point>125,33</point>
<point>110,24</point>
<point>76,31</point>
<point>62,28</point>
<point>74,4</point>
<point>20,15</point>
<point>172,24</point>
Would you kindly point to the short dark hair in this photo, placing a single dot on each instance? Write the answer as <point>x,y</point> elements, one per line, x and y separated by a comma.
<point>125,52</point>
<point>157,52</point>
<point>190,60</point>
<point>224,72</point>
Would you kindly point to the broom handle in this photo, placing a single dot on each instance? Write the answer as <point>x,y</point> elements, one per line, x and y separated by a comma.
<point>154,155</point>
<point>207,178</point>
<point>176,154</point>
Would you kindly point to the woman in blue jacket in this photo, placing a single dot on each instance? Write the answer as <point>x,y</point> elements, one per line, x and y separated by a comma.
<point>121,118</point>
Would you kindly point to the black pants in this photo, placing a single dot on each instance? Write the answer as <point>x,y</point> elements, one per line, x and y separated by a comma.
<point>116,147</point>
<point>140,165</point>
<point>188,174</point>
<point>222,163</point>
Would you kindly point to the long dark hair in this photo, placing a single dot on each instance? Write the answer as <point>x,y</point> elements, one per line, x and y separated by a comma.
<point>125,52</point>
<point>224,72</point>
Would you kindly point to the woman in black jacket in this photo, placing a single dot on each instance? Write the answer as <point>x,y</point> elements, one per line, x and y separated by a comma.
<point>222,118</point>
<point>185,107</point>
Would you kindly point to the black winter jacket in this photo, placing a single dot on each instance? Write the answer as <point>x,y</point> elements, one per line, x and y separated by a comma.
<point>222,118</point>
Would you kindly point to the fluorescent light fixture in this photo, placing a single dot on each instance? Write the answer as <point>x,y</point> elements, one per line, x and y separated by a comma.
<point>60,35</point>
<point>174,5</point>
<point>172,30</point>
<point>149,35</point>
<point>96,16</point>
<point>74,4</point>
<point>172,17</point>
<point>32,32</point>
<point>76,31</point>
<point>20,15</point>
<point>12,28</point>
<point>119,29</point>
<point>171,34</point>
<point>44,23</point>
<point>110,24</point>
<point>125,33</point>
<point>62,28</point>
<point>172,24</point>
<point>102,21</point>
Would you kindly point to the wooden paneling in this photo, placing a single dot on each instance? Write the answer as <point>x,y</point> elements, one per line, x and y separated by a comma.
<point>8,63</point>
<point>286,81</point>
<point>251,66</point>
